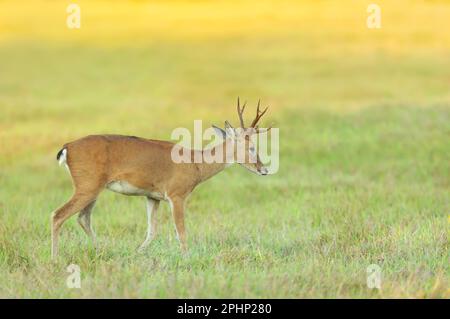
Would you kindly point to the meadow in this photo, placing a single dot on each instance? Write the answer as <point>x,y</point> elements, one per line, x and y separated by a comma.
<point>364,146</point>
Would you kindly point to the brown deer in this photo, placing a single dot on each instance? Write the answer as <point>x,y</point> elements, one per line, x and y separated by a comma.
<point>137,166</point>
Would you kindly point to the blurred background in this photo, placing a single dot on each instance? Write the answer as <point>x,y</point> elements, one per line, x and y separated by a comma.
<point>364,133</point>
<point>146,66</point>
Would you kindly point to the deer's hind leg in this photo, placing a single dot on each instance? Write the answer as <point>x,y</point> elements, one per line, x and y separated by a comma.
<point>84,219</point>
<point>79,201</point>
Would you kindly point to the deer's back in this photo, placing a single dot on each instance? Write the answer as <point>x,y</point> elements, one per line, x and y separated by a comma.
<point>106,158</point>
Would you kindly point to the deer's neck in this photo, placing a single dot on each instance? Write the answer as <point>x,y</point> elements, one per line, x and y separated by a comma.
<point>208,170</point>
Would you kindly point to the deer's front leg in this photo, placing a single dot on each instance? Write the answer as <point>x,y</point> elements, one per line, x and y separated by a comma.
<point>177,206</point>
<point>152,207</point>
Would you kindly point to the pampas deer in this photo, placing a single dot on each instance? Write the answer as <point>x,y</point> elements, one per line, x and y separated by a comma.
<point>137,166</point>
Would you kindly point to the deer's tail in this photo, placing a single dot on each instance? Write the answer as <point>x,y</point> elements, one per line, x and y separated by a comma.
<point>61,157</point>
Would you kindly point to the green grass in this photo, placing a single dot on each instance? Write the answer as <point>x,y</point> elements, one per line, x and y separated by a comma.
<point>364,166</point>
<point>352,190</point>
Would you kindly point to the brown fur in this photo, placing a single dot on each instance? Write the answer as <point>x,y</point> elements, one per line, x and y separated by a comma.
<point>95,161</point>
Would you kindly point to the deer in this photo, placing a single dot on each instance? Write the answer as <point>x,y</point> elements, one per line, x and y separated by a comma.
<point>136,166</point>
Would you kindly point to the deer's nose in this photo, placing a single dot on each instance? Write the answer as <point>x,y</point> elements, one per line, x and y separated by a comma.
<point>263,171</point>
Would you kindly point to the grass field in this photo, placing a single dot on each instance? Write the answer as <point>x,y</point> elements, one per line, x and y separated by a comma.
<point>364,146</point>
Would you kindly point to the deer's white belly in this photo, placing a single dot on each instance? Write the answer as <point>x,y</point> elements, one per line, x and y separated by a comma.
<point>123,187</point>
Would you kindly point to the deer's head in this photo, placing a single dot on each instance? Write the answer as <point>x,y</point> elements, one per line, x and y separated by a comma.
<point>240,140</point>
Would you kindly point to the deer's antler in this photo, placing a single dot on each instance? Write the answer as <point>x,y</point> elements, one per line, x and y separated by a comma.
<point>241,112</point>
<point>259,114</point>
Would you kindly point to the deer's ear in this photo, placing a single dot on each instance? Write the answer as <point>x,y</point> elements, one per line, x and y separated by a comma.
<point>228,125</point>
<point>220,132</point>
<point>229,129</point>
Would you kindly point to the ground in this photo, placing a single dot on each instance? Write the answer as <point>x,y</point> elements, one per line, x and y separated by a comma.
<point>364,146</point>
